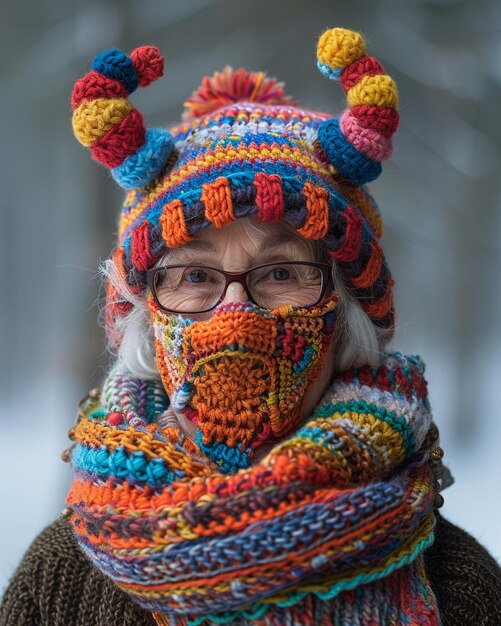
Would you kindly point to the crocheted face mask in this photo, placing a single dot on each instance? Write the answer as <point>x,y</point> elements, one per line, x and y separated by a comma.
<point>242,376</point>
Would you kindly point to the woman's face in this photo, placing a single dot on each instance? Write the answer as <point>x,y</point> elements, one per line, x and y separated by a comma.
<point>245,243</point>
<point>241,245</point>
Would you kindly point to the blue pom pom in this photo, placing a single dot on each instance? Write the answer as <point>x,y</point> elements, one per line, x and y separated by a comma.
<point>146,164</point>
<point>118,66</point>
<point>348,161</point>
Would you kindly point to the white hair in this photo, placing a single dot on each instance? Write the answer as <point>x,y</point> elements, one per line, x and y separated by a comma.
<point>357,341</point>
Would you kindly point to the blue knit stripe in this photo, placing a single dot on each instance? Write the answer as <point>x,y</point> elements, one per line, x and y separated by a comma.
<point>119,463</point>
<point>229,460</point>
<point>330,72</point>
<point>344,156</point>
<point>146,163</point>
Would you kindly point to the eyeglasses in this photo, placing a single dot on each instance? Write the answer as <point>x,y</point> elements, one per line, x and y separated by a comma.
<point>198,288</point>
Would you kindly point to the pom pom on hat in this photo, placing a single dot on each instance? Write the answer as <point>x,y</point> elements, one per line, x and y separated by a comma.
<point>229,86</point>
<point>105,121</point>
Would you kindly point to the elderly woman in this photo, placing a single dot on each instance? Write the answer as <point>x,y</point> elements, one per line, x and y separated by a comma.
<point>255,456</point>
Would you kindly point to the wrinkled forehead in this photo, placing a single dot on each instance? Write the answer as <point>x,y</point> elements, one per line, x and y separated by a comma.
<point>249,238</point>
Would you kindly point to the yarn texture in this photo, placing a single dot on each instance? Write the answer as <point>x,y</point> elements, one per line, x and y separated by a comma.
<point>242,376</point>
<point>244,147</point>
<point>465,579</point>
<point>334,520</point>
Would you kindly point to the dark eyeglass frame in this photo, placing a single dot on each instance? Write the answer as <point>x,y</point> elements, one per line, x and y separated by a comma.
<point>234,277</point>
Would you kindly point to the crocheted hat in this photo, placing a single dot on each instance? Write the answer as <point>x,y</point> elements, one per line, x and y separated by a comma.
<point>244,148</point>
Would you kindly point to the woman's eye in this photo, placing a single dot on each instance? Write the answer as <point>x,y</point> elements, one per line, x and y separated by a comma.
<point>196,276</point>
<point>279,273</point>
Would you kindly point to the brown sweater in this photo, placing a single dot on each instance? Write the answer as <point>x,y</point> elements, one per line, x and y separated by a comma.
<point>55,584</point>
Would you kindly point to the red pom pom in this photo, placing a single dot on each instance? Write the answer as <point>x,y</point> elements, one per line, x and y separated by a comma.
<point>229,86</point>
<point>149,64</point>
<point>94,85</point>
<point>115,418</point>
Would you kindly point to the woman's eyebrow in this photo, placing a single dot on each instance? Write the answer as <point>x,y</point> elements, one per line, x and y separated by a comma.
<point>280,241</point>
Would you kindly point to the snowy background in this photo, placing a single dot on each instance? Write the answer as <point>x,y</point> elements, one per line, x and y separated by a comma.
<point>440,197</point>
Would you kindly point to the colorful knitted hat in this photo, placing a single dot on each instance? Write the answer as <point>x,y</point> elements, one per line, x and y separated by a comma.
<point>244,148</point>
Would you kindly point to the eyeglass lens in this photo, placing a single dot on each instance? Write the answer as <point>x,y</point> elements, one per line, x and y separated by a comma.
<point>191,289</point>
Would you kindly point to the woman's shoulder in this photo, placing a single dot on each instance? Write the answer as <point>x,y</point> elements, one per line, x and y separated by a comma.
<point>465,578</point>
<point>56,584</point>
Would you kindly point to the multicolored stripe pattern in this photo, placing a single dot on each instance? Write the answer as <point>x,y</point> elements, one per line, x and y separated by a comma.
<point>331,524</point>
<point>245,149</point>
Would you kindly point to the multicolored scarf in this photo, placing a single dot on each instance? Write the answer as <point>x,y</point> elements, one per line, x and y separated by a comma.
<point>329,528</point>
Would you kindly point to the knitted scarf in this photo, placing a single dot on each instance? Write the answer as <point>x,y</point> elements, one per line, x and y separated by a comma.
<point>329,528</point>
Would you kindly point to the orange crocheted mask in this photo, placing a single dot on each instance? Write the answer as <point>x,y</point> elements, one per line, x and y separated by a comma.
<point>242,376</point>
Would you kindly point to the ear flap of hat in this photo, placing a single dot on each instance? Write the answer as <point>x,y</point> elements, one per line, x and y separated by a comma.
<point>360,139</point>
<point>106,122</point>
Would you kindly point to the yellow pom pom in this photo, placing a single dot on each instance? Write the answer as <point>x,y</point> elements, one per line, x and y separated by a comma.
<point>338,47</point>
<point>94,118</point>
<point>377,90</point>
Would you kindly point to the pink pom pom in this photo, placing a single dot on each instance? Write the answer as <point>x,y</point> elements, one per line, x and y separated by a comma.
<point>149,64</point>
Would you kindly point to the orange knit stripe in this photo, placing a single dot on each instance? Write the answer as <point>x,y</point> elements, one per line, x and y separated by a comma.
<point>164,620</point>
<point>174,230</point>
<point>126,496</point>
<point>216,197</point>
<point>383,306</point>
<point>226,155</point>
<point>180,492</point>
<point>252,329</point>
<point>165,535</point>
<point>373,268</point>
<point>96,434</point>
<point>317,220</point>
